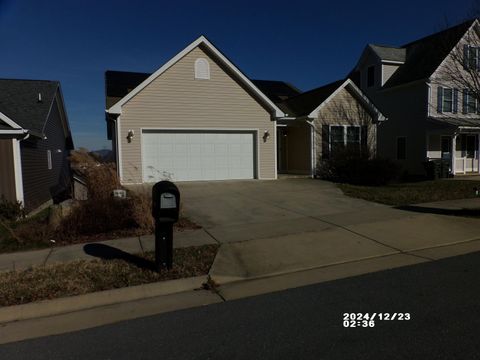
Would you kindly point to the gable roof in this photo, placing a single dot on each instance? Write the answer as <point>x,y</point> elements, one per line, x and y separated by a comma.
<point>305,103</point>
<point>424,56</point>
<point>277,91</point>
<point>309,103</point>
<point>120,83</point>
<point>388,53</point>
<point>19,103</point>
<point>117,108</point>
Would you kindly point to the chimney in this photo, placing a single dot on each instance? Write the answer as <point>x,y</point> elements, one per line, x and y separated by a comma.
<point>39,97</point>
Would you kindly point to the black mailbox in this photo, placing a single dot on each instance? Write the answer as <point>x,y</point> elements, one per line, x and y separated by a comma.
<point>165,201</point>
<point>165,211</point>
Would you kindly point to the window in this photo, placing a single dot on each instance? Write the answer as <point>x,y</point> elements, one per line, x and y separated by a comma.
<point>447,105</point>
<point>353,138</point>
<point>344,136</point>
<point>337,138</point>
<point>49,159</point>
<point>202,69</point>
<point>401,148</point>
<point>370,76</point>
<point>471,57</point>
<point>470,102</point>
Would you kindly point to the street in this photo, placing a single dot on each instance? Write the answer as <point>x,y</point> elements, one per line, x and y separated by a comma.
<point>442,298</point>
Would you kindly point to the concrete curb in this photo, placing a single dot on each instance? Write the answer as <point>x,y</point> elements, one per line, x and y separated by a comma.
<point>58,306</point>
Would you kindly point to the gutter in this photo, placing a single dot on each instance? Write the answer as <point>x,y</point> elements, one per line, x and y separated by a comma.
<point>313,142</point>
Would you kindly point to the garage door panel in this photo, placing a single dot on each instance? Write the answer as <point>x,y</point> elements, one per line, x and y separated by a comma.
<point>186,156</point>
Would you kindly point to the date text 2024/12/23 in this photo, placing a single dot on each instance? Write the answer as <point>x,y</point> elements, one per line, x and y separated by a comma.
<point>368,319</point>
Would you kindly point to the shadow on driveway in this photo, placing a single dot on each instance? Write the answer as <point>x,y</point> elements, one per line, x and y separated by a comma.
<point>441,211</point>
<point>107,252</point>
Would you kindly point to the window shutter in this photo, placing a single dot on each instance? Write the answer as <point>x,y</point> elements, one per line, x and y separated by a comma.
<point>364,140</point>
<point>465,100</point>
<point>455,101</point>
<point>465,56</point>
<point>439,99</point>
<point>477,52</point>
<point>325,142</point>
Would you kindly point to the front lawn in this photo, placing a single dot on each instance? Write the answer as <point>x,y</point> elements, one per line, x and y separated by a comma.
<point>81,277</point>
<point>414,193</point>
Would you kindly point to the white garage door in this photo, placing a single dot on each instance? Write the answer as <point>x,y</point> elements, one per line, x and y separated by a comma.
<point>198,155</point>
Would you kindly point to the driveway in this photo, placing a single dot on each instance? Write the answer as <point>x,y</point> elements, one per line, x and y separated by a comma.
<point>276,227</point>
<point>244,210</point>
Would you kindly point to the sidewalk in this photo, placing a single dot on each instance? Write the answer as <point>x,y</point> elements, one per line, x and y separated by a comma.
<point>132,245</point>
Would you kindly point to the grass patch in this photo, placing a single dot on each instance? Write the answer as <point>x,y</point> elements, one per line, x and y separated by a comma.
<point>25,234</point>
<point>81,277</point>
<point>413,193</point>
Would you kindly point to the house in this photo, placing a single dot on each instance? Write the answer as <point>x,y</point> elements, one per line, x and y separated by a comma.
<point>423,88</point>
<point>35,142</point>
<point>198,117</point>
<point>322,121</point>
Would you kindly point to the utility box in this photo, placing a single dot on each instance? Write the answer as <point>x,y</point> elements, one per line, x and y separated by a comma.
<point>165,211</point>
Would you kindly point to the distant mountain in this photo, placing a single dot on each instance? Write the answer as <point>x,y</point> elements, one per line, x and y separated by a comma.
<point>105,154</point>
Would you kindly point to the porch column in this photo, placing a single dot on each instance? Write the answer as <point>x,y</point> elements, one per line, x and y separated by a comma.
<point>478,152</point>
<point>454,148</point>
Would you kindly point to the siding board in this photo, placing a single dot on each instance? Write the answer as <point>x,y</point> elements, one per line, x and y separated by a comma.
<point>40,184</point>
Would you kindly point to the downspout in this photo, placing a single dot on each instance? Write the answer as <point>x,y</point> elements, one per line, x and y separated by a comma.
<point>313,149</point>
<point>18,173</point>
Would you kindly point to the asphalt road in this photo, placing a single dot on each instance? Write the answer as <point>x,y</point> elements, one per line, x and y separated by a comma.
<point>442,297</point>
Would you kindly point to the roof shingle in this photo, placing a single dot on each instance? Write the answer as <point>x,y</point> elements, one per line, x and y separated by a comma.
<point>19,101</point>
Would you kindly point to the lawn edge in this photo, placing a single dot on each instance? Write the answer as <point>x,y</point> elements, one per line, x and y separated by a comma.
<point>45,308</point>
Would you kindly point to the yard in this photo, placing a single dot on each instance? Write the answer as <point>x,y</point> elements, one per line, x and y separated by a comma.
<point>414,193</point>
<point>81,277</point>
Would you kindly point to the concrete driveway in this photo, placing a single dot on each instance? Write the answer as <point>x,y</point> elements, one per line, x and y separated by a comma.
<point>234,211</point>
<point>275,227</point>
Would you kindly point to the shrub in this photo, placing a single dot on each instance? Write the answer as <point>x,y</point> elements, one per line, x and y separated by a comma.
<point>142,210</point>
<point>357,170</point>
<point>93,217</point>
<point>101,181</point>
<point>10,210</point>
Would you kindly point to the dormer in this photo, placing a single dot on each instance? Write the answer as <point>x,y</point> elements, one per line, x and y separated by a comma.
<point>377,64</point>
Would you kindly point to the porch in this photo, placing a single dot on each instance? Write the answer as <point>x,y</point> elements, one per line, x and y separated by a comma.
<point>460,149</point>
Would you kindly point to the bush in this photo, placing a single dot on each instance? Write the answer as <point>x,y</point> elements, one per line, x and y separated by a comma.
<point>357,170</point>
<point>102,213</point>
<point>93,217</point>
<point>10,210</point>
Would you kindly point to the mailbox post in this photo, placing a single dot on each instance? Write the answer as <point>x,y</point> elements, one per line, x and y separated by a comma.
<point>165,211</point>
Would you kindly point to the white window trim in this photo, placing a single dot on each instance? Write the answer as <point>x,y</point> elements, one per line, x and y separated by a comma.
<point>468,106</point>
<point>443,99</point>
<point>49,160</point>
<point>344,135</point>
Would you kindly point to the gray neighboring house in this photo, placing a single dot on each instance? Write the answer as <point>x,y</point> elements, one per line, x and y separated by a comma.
<point>35,142</point>
<point>430,117</point>
<point>198,117</point>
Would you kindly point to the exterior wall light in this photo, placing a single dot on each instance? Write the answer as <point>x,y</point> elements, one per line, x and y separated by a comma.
<point>130,135</point>
<point>266,135</point>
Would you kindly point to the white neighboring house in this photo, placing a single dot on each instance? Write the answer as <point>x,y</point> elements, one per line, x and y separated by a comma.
<point>430,115</point>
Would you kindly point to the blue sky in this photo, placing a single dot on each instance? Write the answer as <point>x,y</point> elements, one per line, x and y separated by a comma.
<point>307,43</point>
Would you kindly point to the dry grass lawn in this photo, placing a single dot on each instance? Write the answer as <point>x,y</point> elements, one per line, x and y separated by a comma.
<point>81,277</point>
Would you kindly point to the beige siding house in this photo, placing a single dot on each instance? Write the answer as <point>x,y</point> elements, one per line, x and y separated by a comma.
<point>196,118</point>
<point>199,117</point>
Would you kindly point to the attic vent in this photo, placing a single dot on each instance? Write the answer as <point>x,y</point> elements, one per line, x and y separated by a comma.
<point>202,69</point>
<point>39,97</point>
